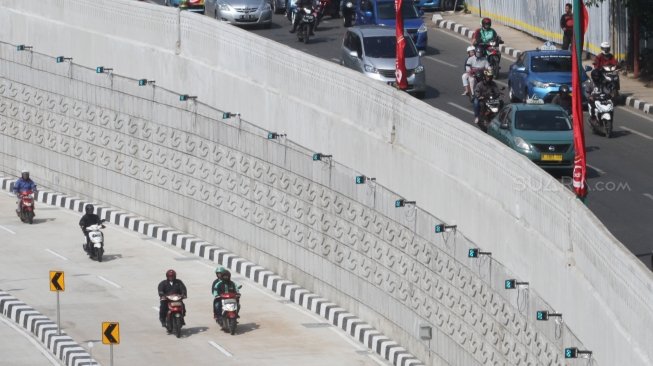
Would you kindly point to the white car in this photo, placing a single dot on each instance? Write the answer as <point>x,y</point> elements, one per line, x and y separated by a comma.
<point>241,12</point>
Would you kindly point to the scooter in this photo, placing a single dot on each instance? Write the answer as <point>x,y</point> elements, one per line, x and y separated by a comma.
<point>96,249</point>
<point>305,24</point>
<point>601,114</point>
<point>319,10</point>
<point>610,78</point>
<point>477,75</point>
<point>26,211</point>
<point>175,316</point>
<point>490,106</point>
<point>493,54</point>
<point>229,317</point>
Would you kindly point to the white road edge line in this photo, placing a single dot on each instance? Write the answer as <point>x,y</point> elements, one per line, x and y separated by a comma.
<point>637,132</point>
<point>2,227</point>
<point>649,195</point>
<point>55,253</point>
<point>440,61</point>
<point>109,282</point>
<point>226,353</point>
<point>461,108</point>
<point>627,109</point>
<point>597,169</point>
<point>33,341</point>
<point>377,360</point>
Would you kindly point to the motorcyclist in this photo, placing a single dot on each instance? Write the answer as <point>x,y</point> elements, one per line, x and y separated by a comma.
<point>301,4</point>
<point>485,34</point>
<point>594,89</point>
<point>226,285</point>
<point>485,88</point>
<point>563,98</point>
<point>475,62</point>
<point>218,273</point>
<point>87,220</point>
<point>171,285</point>
<point>605,58</point>
<point>23,184</point>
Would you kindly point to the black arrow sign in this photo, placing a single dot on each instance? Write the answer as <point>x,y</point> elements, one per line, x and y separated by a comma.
<point>108,331</point>
<point>55,281</point>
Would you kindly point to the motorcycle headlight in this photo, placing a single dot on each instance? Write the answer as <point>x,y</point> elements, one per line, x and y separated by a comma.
<point>419,69</point>
<point>422,28</point>
<point>539,84</point>
<point>520,143</point>
<point>349,4</point>
<point>369,68</point>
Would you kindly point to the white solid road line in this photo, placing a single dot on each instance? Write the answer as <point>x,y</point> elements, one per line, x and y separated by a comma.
<point>4,228</point>
<point>377,360</point>
<point>109,282</point>
<point>461,108</point>
<point>602,172</point>
<point>156,308</point>
<point>32,340</point>
<point>637,133</point>
<point>442,62</point>
<point>57,254</point>
<point>636,113</point>
<point>649,195</point>
<point>226,353</point>
<point>336,60</point>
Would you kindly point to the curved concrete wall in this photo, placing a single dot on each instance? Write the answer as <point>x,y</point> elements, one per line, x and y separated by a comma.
<point>141,149</point>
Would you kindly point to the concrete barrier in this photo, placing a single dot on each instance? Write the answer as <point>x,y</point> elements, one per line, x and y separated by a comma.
<point>139,148</point>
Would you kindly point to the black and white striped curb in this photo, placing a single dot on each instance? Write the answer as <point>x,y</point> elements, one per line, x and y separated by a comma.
<point>460,29</point>
<point>45,330</point>
<point>354,326</point>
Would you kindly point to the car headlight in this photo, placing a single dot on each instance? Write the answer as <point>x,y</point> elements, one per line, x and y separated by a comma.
<point>369,68</point>
<point>520,143</point>
<point>224,6</point>
<point>539,84</point>
<point>419,69</point>
<point>422,28</point>
<point>265,6</point>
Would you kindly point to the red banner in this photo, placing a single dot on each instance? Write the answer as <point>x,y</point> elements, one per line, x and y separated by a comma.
<point>400,65</point>
<point>581,19</point>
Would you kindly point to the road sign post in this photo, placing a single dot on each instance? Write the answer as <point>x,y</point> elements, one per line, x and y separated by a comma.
<point>57,284</point>
<point>110,336</point>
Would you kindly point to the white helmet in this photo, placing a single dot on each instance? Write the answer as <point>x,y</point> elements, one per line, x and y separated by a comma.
<point>605,47</point>
<point>470,48</point>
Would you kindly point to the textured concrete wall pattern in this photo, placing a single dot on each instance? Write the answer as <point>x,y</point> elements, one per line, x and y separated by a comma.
<point>140,149</point>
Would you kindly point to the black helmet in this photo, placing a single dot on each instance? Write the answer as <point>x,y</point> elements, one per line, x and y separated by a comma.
<point>596,76</point>
<point>486,22</point>
<point>171,275</point>
<point>479,51</point>
<point>89,209</point>
<point>226,275</point>
<point>564,89</point>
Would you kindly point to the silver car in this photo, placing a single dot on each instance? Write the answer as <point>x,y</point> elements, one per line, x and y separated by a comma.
<point>241,12</point>
<point>372,51</point>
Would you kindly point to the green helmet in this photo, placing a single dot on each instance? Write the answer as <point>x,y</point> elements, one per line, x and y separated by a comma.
<point>219,269</point>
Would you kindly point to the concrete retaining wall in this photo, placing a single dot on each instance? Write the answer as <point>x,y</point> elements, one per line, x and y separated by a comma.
<point>141,149</point>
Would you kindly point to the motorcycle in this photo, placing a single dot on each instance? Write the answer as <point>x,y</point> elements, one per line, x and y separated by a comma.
<point>477,74</point>
<point>493,54</point>
<point>229,317</point>
<point>490,106</point>
<point>610,78</point>
<point>26,211</point>
<point>96,249</point>
<point>305,24</point>
<point>601,114</point>
<point>348,14</point>
<point>175,316</point>
<point>319,10</point>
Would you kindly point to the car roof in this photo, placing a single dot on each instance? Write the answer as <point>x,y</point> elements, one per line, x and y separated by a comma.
<point>536,53</point>
<point>541,107</point>
<point>373,30</point>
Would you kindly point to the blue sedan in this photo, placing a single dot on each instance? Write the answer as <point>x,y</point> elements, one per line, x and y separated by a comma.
<point>382,12</point>
<point>540,73</point>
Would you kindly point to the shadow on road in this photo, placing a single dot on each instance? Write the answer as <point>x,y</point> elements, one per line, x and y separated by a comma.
<point>187,332</point>
<point>40,221</point>
<point>110,257</point>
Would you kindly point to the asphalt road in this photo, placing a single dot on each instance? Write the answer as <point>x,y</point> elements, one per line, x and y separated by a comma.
<point>272,330</point>
<point>620,172</point>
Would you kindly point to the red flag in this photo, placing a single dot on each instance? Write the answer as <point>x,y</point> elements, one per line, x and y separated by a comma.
<point>400,65</point>
<point>580,169</point>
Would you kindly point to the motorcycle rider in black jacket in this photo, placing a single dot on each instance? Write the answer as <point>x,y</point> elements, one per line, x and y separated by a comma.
<point>301,4</point>
<point>171,285</point>
<point>87,220</point>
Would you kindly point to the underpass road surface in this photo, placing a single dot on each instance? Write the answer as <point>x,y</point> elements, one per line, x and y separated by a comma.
<point>123,288</point>
<point>20,348</point>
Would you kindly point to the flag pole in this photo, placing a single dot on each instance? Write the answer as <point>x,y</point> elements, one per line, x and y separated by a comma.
<point>580,164</point>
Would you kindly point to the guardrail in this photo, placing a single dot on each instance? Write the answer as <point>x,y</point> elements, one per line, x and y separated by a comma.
<point>100,136</point>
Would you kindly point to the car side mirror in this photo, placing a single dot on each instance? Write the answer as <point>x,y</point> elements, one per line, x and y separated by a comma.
<point>520,69</point>
<point>353,54</point>
<point>588,68</point>
<point>503,126</point>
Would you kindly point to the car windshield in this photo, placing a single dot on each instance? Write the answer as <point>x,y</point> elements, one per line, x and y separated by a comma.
<point>551,63</point>
<point>386,47</point>
<point>387,10</point>
<point>542,120</point>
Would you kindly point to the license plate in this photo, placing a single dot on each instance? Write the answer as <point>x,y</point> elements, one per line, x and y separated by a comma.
<point>551,157</point>
<point>248,16</point>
